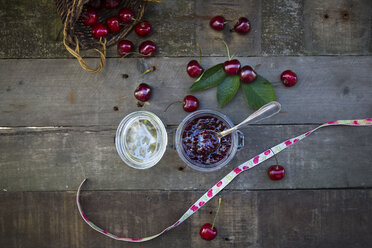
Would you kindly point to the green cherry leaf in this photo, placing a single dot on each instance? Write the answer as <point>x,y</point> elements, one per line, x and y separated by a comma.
<point>259,92</point>
<point>210,78</point>
<point>227,89</point>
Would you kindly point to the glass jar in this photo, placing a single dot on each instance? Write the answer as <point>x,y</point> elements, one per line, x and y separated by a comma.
<point>141,139</point>
<point>237,141</point>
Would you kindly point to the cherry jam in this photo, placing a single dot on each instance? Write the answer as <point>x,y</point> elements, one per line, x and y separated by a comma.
<point>201,143</point>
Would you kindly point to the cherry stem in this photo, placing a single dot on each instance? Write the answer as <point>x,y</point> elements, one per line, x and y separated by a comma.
<point>200,52</point>
<point>223,11</point>
<point>256,66</point>
<point>218,209</point>
<point>165,110</point>
<point>276,159</point>
<point>233,56</point>
<point>227,47</point>
<point>152,68</point>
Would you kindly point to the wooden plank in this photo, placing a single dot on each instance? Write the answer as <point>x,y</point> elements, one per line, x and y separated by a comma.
<point>38,92</point>
<point>59,159</point>
<point>173,25</point>
<point>337,27</point>
<point>31,29</point>
<point>315,218</point>
<point>282,27</point>
<point>320,218</point>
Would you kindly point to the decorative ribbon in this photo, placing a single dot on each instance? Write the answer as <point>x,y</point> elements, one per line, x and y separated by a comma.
<point>224,181</point>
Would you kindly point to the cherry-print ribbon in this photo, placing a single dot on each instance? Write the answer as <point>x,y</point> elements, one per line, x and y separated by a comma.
<point>224,181</point>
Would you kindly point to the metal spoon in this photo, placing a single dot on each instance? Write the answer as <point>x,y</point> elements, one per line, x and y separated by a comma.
<point>209,140</point>
<point>266,111</point>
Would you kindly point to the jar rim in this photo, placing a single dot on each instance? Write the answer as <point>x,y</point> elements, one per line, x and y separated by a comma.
<point>182,153</point>
<point>162,139</point>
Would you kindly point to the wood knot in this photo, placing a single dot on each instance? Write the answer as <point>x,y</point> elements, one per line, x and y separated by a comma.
<point>125,75</point>
<point>345,15</point>
<point>116,108</point>
<point>346,90</point>
<point>326,16</point>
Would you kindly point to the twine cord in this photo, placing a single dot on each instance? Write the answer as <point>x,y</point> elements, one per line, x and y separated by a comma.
<point>73,9</point>
<point>76,52</point>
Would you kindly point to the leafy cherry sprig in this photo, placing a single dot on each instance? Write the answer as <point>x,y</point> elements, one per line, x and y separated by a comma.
<point>258,93</point>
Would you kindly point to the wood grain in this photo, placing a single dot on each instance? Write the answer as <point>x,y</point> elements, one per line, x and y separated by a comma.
<point>320,218</point>
<point>31,29</point>
<point>59,159</point>
<point>337,26</point>
<point>38,92</point>
<point>58,124</point>
<point>282,27</point>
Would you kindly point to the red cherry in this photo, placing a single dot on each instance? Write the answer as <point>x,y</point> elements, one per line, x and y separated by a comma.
<point>289,78</point>
<point>194,69</point>
<point>90,17</point>
<point>143,28</point>
<point>207,233</point>
<point>231,67</point>
<point>190,103</point>
<point>147,48</point>
<point>143,92</point>
<point>247,74</point>
<point>217,23</point>
<point>113,24</point>
<point>111,4</point>
<point>125,47</point>
<point>276,172</point>
<point>96,4</point>
<point>99,30</point>
<point>126,15</point>
<point>243,26</point>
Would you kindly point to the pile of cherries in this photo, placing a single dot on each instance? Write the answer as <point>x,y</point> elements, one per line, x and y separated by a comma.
<point>114,25</point>
<point>232,66</point>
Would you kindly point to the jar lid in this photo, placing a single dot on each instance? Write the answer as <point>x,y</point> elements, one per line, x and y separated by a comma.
<point>141,139</point>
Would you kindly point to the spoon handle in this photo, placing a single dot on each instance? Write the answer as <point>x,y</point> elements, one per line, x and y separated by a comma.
<point>266,111</point>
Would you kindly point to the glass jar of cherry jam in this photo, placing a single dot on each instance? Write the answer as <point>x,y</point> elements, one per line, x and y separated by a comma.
<point>198,145</point>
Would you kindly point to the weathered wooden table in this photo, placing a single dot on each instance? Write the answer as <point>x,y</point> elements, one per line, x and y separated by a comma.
<point>58,126</point>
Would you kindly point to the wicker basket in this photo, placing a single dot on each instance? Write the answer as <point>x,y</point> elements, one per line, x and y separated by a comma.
<point>78,37</point>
